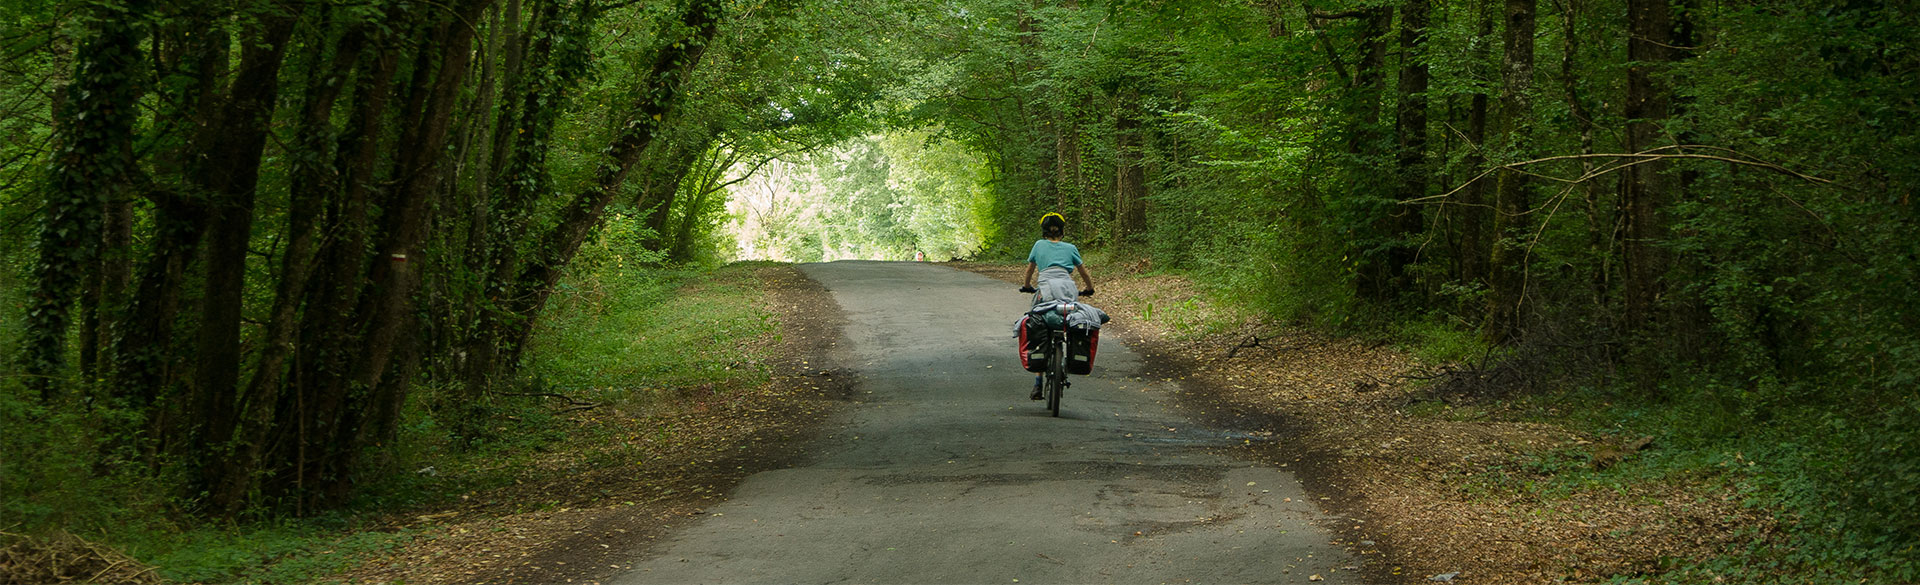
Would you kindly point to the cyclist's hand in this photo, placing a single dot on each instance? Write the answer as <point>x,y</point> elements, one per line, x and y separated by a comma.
<point>1087,293</point>
<point>1027,289</point>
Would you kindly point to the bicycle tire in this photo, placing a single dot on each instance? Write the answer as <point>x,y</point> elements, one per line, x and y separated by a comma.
<point>1057,372</point>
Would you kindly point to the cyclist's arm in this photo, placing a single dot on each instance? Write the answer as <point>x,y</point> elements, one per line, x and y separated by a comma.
<point>1086,277</point>
<point>1029,279</point>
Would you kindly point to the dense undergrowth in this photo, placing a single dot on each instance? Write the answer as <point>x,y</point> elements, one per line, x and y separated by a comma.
<point>621,338</point>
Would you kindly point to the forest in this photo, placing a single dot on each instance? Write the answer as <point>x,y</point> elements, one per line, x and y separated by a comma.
<point>245,243</point>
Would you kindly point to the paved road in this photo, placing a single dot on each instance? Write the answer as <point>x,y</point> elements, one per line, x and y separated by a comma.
<point>947,473</point>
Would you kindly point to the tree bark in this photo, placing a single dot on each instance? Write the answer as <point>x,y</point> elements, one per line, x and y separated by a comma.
<point>1600,221</point>
<point>227,168</point>
<point>1410,132</point>
<point>532,106</point>
<point>327,336</point>
<point>312,185</point>
<point>91,163</point>
<point>145,364</point>
<point>1365,141</point>
<point>1130,177</point>
<point>1476,217</point>
<point>1647,188</point>
<point>1507,294</point>
<point>386,308</point>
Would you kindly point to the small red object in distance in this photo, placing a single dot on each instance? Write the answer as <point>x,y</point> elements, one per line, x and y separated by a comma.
<point>399,257</point>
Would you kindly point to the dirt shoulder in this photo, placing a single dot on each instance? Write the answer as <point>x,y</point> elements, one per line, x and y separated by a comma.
<point>590,519</point>
<point>1435,488</point>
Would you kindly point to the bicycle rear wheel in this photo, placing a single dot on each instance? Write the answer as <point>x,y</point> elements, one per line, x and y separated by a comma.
<point>1057,372</point>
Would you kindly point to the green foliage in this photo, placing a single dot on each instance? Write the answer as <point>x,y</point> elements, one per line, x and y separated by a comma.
<point>1438,342</point>
<point>288,552</point>
<point>1786,311</point>
<point>1255,146</point>
<point>627,334</point>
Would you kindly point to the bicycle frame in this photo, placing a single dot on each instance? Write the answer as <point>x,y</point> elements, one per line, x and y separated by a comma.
<point>1056,343</point>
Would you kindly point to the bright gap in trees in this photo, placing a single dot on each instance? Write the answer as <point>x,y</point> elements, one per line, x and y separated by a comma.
<point>900,195</point>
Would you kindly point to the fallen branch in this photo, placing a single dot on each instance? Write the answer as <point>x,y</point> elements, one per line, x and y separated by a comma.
<point>570,400</point>
<point>1252,341</point>
<point>584,406</point>
<point>1444,372</point>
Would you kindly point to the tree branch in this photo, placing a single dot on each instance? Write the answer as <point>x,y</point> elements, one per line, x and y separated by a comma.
<point>1634,159</point>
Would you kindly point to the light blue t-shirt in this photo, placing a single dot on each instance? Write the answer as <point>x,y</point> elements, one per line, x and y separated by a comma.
<point>1048,253</point>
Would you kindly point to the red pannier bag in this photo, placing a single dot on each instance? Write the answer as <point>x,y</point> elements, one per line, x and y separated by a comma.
<point>1033,357</point>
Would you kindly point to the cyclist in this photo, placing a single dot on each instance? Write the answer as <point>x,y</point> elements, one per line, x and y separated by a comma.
<point>1054,261</point>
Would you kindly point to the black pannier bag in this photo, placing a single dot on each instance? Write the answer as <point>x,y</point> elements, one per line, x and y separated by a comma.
<point>1033,347</point>
<point>1083,343</point>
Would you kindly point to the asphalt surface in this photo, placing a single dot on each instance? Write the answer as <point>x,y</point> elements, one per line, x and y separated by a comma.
<point>946,473</point>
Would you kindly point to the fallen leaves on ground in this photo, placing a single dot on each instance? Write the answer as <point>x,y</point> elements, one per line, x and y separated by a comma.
<point>583,511</point>
<point>1422,496</point>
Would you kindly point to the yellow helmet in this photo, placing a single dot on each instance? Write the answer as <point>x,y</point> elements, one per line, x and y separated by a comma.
<point>1052,217</point>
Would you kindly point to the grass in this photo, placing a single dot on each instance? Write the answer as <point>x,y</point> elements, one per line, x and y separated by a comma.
<point>624,337</point>
<point>628,336</point>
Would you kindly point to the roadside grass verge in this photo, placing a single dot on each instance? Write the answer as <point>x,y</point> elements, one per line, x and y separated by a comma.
<point>625,349</point>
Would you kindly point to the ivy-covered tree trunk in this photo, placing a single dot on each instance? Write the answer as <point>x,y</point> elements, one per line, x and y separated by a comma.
<point>667,163</point>
<point>91,165</point>
<point>146,353</point>
<point>1366,141</point>
<point>542,75</point>
<point>386,306</point>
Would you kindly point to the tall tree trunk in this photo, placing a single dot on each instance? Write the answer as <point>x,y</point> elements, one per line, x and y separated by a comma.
<point>386,308</point>
<point>312,185</point>
<point>1410,132</point>
<point>146,363</point>
<point>1130,177</point>
<point>1365,142</point>
<point>1067,168</point>
<point>1476,217</point>
<point>501,32</point>
<point>1647,190</point>
<point>325,351</point>
<point>1508,282</point>
<point>90,164</point>
<point>534,104</point>
<point>670,163</point>
<point>1600,220</point>
<point>228,171</point>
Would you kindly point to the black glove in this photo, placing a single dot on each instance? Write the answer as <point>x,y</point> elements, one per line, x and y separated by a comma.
<point>1027,289</point>
<point>1087,293</point>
